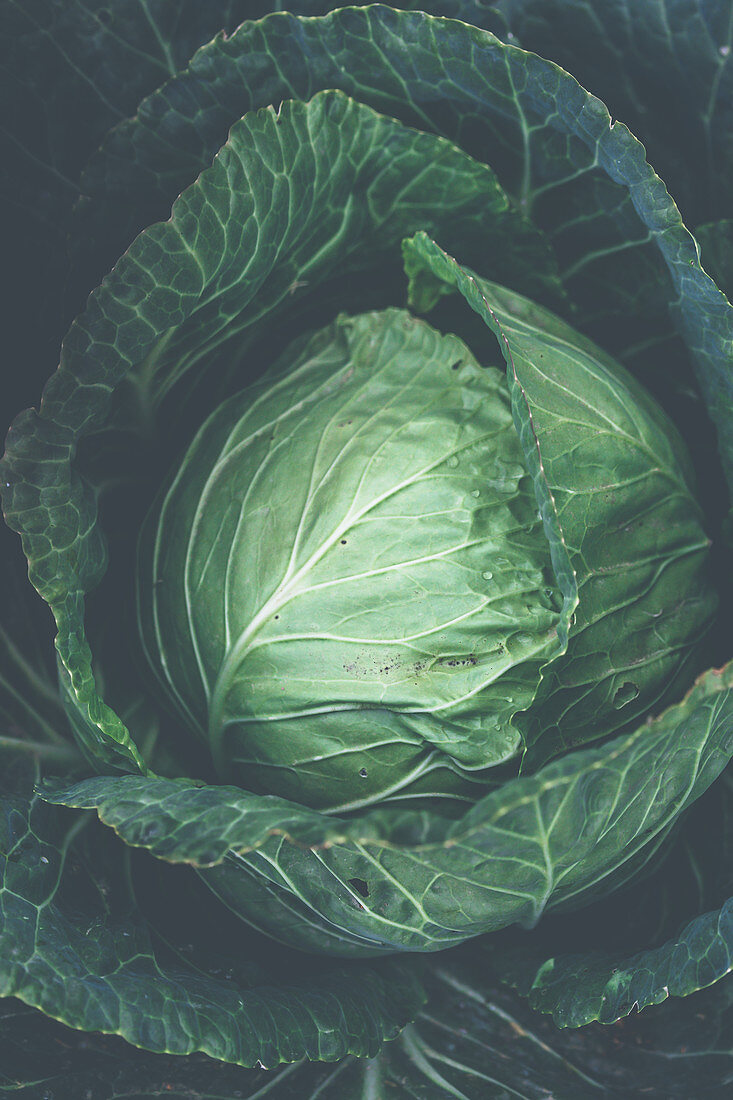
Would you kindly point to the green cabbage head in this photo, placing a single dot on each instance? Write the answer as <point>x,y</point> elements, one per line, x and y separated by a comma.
<point>347,589</point>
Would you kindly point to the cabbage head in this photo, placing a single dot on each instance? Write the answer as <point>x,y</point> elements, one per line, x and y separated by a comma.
<point>347,589</point>
<point>370,723</point>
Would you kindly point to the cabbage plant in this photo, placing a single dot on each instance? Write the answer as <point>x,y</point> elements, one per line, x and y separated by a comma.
<point>379,499</point>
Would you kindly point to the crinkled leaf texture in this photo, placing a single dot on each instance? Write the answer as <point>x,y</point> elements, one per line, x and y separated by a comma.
<point>577,989</point>
<point>473,1041</point>
<point>583,181</point>
<point>100,973</point>
<point>664,68</point>
<point>667,937</point>
<point>100,58</point>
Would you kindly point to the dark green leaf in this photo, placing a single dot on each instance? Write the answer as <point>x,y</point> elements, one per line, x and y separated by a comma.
<point>626,258</point>
<point>663,68</point>
<point>98,970</point>
<point>474,1041</point>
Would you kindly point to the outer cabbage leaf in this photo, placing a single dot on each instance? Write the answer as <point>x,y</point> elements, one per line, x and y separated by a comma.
<point>580,988</point>
<point>664,68</point>
<point>398,880</point>
<point>667,936</point>
<point>584,181</point>
<point>473,1041</point>
<point>98,970</point>
<point>99,57</point>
